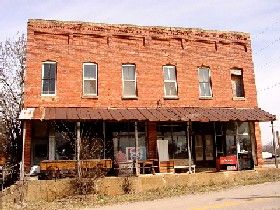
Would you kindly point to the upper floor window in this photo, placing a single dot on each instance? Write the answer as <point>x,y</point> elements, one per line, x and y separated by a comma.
<point>90,79</point>
<point>205,87</point>
<point>237,83</point>
<point>170,81</point>
<point>129,80</point>
<point>48,78</point>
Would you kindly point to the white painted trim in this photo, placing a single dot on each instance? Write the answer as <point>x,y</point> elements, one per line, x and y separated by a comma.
<point>176,84</point>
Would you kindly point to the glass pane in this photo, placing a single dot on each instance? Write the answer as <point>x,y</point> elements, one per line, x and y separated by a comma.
<point>245,143</point>
<point>231,145</point>
<point>90,71</point>
<point>243,128</point>
<point>170,89</point>
<point>90,87</point>
<point>129,88</point>
<point>205,89</point>
<point>198,148</point>
<point>237,86</point>
<point>52,87</point>
<point>204,75</point>
<point>52,70</point>
<point>209,147</point>
<point>129,72</point>
<point>45,86</point>
<point>46,70</point>
<point>169,73</point>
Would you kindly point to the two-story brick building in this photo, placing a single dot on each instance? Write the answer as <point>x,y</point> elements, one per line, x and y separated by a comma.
<point>178,84</point>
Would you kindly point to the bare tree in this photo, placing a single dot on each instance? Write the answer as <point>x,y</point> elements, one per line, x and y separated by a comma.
<point>12,66</point>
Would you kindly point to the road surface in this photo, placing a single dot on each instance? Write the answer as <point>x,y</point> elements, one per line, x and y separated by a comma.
<point>261,196</point>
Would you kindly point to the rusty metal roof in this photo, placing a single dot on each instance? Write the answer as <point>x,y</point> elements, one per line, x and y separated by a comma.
<point>195,114</point>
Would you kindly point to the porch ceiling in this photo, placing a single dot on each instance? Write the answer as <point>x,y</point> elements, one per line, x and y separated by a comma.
<point>195,114</point>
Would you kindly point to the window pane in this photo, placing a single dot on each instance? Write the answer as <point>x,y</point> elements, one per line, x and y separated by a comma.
<point>237,86</point>
<point>45,86</point>
<point>129,72</point>
<point>90,71</point>
<point>129,88</point>
<point>204,75</point>
<point>52,86</point>
<point>169,73</point>
<point>170,89</point>
<point>90,87</point>
<point>52,70</point>
<point>205,89</point>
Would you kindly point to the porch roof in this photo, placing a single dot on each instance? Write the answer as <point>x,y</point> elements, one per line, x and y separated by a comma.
<point>195,114</point>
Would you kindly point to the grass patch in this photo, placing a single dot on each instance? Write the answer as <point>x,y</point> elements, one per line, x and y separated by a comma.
<point>212,184</point>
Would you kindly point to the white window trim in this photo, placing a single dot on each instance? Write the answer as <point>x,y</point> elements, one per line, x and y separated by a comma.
<point>42,76</point>
<point>176,86</point>
<point>96,69</point>
<point>209,70</point>
<point>129,96</point>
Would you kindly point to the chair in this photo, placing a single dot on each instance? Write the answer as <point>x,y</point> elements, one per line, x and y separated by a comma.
<point>183,164</point>
<point>165,165</point>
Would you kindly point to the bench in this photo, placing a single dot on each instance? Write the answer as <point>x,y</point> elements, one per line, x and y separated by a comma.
<point>183,164</point>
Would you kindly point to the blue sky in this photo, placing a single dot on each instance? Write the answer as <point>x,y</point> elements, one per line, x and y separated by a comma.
<point>258,17</point>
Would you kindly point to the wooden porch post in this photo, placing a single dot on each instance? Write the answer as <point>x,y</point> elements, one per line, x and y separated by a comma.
<point>104,141</point>
<point>23,151</point>
<point>136,148</point>
<point>189,147</point>
<point>274,145</point>
<point>78,144</point>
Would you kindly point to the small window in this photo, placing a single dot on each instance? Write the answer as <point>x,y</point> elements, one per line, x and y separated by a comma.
<point>237,83</point>
<point>90,79</point>
<point>205,89</point>
<point>48,78</point>
<point>170,81</point>
<point>129,81</point>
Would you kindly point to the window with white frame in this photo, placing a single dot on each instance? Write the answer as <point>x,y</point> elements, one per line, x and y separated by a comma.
<point>170,81</point>
<point>48,78</point>
<point>90,79</point>
<point>129,80</point>
<point>205,89</point>
<point>237,83</point>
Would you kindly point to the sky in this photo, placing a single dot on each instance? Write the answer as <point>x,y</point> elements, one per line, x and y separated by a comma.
<point>258,17</point>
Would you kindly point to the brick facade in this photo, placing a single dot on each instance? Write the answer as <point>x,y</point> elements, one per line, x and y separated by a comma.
<point>70,44</point>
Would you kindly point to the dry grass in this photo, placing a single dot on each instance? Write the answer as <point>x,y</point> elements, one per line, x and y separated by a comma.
<point>73,202</point>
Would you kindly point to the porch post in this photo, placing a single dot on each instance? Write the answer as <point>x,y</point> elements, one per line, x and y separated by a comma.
<point>189,147</point>
<point>78,143</point>
<point>274,145</point>
<point>104,141</point>
<point>23,151</point>
<point>136,148</point>
<point>51,144</point>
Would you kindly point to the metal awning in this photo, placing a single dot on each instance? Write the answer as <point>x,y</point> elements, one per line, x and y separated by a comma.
<point>195,114</point>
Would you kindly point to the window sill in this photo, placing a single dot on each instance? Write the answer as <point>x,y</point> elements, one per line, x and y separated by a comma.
<point>129,98</point>
<point>206,98</point>
<point>48,95</point>
<point>89,97</point>
<point>171,98</point>
<point>239,98</point>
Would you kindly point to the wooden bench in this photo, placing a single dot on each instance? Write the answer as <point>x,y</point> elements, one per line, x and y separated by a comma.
<point>55,167</point>
<point>183,164</point>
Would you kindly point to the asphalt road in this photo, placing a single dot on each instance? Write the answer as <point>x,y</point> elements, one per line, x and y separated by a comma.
<point>261,196</point>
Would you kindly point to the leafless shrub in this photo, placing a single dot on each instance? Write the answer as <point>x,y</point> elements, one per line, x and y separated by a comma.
<point>12,66</point>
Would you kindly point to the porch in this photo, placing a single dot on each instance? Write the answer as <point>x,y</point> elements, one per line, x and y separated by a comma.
<point>222,138</point>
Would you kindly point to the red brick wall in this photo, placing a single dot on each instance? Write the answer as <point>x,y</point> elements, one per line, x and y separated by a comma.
<point>152,140</point>
<point>258,144</point>
<point>27,145</point>
<point>71,44</point>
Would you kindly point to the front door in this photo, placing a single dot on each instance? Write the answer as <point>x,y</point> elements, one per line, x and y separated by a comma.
<point>204,150</point>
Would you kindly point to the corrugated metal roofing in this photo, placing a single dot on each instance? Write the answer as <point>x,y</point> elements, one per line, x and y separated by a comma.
<point>195,114</point>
